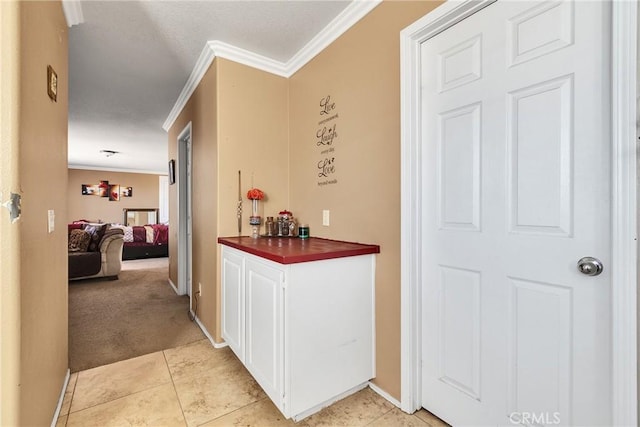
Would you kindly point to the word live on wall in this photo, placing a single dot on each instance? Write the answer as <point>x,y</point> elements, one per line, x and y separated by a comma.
<point>326,135</point>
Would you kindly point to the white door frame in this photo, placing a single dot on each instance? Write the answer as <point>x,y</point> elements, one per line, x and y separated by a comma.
<point>623,199</point>
<point>184,210</point>
<point>163,199</point>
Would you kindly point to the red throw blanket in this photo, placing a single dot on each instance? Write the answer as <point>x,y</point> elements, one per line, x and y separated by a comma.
<point>139,234</point>
<point>160,234</point>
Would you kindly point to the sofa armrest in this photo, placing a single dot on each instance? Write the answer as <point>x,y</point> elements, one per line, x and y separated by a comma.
<point>111,253</point>
<point>111,232</point>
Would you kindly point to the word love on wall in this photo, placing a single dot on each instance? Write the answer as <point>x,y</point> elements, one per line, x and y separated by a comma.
<point>326,137</point>
<point>104,189</point>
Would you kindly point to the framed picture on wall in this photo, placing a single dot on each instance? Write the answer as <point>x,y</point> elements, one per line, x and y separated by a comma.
<point>114,192</point>
<point>103,189</point>
<point>90,190</point>
<point>172,171</point>
<point>126,191</point>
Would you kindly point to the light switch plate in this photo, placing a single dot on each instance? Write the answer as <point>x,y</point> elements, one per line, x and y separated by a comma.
<point>51,217</point>
<point>325,218</point>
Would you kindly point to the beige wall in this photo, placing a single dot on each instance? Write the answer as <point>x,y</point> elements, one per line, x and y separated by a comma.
<point>239,122</point>
<point>42,169</point>
<point>9,230</point>
<point>145,195</point>
<point>266,127</point>
<point>254,138</point>
<point>361,73</point>
<point>201,112</point>
<point>253,134</point>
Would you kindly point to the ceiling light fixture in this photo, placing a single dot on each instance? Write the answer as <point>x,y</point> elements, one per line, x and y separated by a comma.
<point>109,153</point>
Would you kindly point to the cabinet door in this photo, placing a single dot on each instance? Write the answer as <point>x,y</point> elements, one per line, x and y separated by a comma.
<point>264,343</point>
<point>233,300</point>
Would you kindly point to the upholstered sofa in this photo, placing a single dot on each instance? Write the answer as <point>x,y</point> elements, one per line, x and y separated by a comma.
<point>102,258</point>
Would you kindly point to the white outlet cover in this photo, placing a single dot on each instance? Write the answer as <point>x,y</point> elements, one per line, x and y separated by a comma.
<point>51,220</point>
<point>325,218</point>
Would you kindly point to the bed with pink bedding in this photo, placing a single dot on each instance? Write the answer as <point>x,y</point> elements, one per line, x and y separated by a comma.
<point>145,241</point>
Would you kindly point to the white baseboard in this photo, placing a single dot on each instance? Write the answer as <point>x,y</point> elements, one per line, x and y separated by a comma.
<point>175,288</point>
<point>305,414</point>
<point>384,394</point>
<point>61,399</point>
<point>208,335</point>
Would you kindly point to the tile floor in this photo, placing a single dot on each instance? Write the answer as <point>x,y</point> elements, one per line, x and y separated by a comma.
<point>197,385</point>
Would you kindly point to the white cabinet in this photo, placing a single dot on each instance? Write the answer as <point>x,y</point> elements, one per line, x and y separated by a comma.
<point>233,302</point>
<point>263,327</point>
<point>305,331</point>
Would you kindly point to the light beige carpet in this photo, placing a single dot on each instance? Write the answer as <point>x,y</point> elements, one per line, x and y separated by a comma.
<point>113,320</point>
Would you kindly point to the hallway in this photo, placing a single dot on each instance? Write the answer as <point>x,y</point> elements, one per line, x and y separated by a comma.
<point>115,320</point>
<point>198,385</point>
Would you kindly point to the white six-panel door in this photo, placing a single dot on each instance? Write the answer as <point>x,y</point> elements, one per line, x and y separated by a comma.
<point>515,130</point>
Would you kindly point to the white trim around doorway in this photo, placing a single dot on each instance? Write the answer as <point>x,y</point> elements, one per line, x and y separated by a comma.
<point>623,192</point>
<point>624,213</point>
<point>184,264</point>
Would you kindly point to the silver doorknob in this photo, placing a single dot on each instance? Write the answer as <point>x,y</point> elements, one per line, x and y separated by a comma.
<point>590,266</point>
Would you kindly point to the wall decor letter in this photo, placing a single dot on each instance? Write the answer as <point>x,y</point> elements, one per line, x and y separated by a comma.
<point>326,136</point>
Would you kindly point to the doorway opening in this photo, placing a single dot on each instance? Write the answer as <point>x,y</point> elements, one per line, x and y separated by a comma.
<point>184,178</point>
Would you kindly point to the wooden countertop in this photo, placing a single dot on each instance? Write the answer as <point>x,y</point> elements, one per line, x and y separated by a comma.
<point>293,250</point>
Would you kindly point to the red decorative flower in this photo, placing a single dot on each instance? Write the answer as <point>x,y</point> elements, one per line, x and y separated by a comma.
<point>255,194</point>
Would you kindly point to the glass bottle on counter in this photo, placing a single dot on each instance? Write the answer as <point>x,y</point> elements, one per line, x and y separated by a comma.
<point>286,217</point>
<point>269,225</point>
<point>292,226</point>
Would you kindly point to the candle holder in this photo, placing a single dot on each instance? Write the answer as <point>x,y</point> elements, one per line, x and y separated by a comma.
<point>255,195</point>
<point>254,221</point>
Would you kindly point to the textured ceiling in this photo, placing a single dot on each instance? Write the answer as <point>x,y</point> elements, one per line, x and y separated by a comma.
<point>129,61</point>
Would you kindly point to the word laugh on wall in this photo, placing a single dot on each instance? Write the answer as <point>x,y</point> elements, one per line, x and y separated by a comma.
<point>326,136</point>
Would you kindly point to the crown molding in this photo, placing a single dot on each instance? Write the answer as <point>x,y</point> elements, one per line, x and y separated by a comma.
<point>109,169</point>
<point>72,12</point>
<point>248,58</point>
<point>202,65</point>
<point>215,48</point>
<point>353,13</point>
